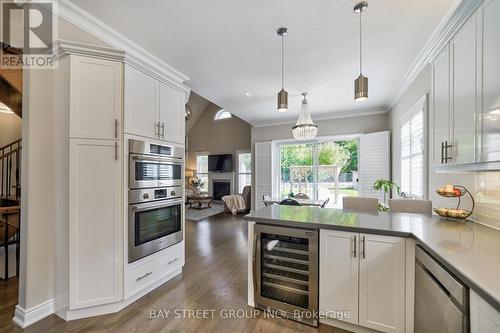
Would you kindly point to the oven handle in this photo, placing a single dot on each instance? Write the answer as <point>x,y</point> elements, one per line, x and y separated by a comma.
<point>142,158</point>
<point>163,203</point>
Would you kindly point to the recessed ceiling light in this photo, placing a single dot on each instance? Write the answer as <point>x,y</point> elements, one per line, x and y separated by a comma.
<point>249,94</point>
<point>5,109</point>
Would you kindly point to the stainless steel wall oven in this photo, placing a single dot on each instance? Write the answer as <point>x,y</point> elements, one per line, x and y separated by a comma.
<point>155,214</point>
<point>153,165</point>
<point>285,271</point>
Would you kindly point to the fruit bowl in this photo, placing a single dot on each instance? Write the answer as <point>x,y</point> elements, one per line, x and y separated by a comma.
<point>453,213</point>
<point>456,193</point>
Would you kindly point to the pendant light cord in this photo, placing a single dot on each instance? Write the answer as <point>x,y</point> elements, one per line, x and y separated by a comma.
<point>282,62</point>
<point>360,45</point>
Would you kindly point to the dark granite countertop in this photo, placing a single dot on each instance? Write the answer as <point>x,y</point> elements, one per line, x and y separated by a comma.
<point>469,250</point>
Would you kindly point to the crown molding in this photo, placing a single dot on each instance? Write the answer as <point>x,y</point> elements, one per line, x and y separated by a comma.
<point>134,54</point>
<point>332,116</point>
<point>64,47</point>
<point>458,14</point>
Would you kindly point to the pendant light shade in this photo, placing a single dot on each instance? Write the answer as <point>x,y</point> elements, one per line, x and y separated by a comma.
<point>282,95</point>
<point>361,83</point>
<point>304,129</point>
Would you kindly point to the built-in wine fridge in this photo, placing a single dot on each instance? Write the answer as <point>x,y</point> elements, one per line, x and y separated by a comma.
<point>285,272</point>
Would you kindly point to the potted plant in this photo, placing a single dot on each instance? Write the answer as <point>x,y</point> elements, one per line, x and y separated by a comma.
<point>386,186</point>
<point>197,183</point>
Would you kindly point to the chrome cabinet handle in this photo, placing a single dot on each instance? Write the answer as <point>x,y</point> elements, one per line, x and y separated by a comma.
<point>446,146</point>
<point>172,261</point>
<point>116,151</point>
<point>363,252</point>
<point>116,128</point>
<point>354,240</point>
<point>157,129</point>
<point>163,130</point>
<point>143,276</point>
<point>442,152</point>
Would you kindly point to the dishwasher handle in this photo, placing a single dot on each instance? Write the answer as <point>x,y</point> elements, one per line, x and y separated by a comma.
<point>456,290</point>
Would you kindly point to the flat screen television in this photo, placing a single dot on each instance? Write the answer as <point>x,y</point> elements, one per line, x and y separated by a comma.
<point>220,163</point>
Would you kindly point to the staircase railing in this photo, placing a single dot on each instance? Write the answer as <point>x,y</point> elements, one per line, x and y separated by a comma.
<point>10,168</point>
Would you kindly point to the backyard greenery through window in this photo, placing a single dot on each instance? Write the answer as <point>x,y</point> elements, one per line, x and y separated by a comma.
<point>321,170</point>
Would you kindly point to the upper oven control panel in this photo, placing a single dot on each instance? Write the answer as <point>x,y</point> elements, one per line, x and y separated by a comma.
<point>153,194</point>
<point>151,148</point>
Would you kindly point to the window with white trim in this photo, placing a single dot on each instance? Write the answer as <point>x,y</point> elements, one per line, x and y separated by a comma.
<point>202,168</point>
<point>222,114</point>
<point>413,152</point>
<point>244,170</point>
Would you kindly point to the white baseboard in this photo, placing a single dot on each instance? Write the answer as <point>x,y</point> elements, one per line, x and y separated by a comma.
<point>25,317</point>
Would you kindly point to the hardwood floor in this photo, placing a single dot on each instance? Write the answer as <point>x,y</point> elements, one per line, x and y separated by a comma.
<point>214,278</point>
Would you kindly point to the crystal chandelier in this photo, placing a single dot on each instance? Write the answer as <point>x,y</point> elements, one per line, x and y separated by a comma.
<point>304,129</point>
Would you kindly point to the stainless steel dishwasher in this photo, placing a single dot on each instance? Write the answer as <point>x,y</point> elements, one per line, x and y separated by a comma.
<point>441,301</point>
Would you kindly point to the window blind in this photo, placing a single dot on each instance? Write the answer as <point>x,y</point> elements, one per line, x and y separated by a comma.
<point>412,154</point>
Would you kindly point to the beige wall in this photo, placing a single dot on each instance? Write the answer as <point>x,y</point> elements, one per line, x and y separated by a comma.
<point>330,127</point>
<point>485,186</point>
<point>10,128</point>
<point>218,137</point>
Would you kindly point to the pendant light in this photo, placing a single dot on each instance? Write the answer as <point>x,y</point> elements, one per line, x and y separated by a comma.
<point>304,129</point>
<point>282,95</point>
<point>361,83</point>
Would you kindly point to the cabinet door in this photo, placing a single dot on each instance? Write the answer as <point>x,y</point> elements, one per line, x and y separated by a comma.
<point>464,92</point>
<point>441,102</point>
<point>96,96</point>
<point>483,317</point>
<point>338,279</point>
<point>490,150</point>
<point>95,242</point>
<point>141,103</point>
<point>171,114</point>
<point>382,283</point>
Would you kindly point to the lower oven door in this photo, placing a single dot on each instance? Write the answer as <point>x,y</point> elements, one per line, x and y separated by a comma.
<point>286,272</point>
<point>153,227</point>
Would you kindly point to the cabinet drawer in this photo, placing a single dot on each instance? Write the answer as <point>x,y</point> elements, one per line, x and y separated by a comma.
<point>142,276</point>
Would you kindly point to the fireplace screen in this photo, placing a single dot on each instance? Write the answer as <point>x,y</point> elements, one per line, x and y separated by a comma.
<point>221,188</point>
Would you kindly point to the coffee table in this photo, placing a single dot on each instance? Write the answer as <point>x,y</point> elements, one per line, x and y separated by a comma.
<point>199,199</point>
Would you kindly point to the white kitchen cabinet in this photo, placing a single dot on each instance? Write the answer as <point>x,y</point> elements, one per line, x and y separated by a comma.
<point>464,93</point>
<point>338,280</point>
<point>441,103</point>
<point>483,317</point>
<point>382,283</point>
<point>489,80</point>
<point>95,97</point>
<point>171,114</point>
<point>141,103</point>
<point>364,274</point>
<point>153,108</point>
<point>95,245</point>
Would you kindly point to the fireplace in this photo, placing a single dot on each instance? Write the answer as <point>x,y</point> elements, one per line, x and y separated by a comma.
<point>221,188</point>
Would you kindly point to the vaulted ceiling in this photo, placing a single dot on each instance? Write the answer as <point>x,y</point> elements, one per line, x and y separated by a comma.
<point>230,48</point>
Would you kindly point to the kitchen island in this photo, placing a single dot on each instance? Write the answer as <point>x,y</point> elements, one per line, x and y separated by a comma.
<point>470,251</point>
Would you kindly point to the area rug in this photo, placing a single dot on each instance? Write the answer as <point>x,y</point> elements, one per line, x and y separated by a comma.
<point>196,214</point>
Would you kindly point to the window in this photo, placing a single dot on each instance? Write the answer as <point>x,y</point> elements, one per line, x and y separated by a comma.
<point>222,114</point>
<point>202,168</point>
<point>412,152</point>
<point>244,170</point>
<point>320,169</point>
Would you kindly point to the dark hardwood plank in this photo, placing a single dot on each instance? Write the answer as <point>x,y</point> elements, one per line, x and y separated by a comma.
<point>214,277</point>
